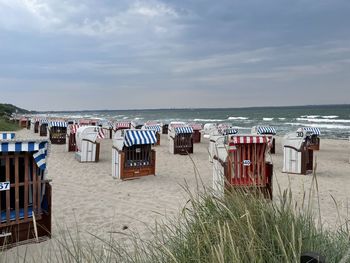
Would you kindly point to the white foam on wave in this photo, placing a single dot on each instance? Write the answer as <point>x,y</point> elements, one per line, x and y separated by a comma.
<point>310,116</point>
<point>207,120</point>
<point>267,119</point>
<point>237,118</point>
<point>330,117</point>
<point>75,116</point>
<point>138,118</point>
<point>325,126</point>
<point>281,119</point>
<point>124,118</point>
<point>324,120</point>
<point>241,128</point>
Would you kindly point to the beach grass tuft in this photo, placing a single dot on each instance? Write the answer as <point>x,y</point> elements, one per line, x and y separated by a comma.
<point>237,228</point>
<point>240,227</point>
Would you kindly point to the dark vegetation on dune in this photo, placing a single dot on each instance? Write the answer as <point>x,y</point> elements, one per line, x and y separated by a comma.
<point>6,110</point>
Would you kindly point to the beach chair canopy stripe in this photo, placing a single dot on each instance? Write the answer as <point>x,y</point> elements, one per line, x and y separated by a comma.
<point>196,126</point>
<point>43,121</point>
<point>73,128</point>
<point>7,135</point>
<point>151,123</point>
<point>61,124</point>
<point>119,125</point>
<point>155,128</point>
<point>229,131</point>
<point>248,139</point>
<point>101,133</point>
<point>177,125</point>
<point>179,130</point>
<point>39,149</point>
<point>138,137</point>
<point>314,131</point>
<point>266,130</point>
<point>86,122</point>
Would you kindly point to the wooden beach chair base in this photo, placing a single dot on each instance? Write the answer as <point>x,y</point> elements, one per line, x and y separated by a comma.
<point>134,166</point>
<point>20,232</point>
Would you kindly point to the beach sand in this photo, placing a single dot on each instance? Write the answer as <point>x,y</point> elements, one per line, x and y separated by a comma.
<point>87,198</point>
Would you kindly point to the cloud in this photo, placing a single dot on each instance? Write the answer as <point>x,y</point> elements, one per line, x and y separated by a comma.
<point>163,49</point>
<point>79,18</point>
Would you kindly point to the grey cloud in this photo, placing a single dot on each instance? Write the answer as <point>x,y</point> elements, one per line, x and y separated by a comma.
<point>221,53</point>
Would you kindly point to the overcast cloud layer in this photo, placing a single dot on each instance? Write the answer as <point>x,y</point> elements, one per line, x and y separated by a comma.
<point>108,54</point>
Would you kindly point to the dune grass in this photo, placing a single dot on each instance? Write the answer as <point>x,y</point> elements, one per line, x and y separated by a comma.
<point>7,126</point>
<point>238,228</point>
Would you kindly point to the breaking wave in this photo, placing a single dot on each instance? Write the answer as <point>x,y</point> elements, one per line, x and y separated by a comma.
<point>208,120</point>
<point>325,126</point>
<point>324,120</point>
<point>237,118</point>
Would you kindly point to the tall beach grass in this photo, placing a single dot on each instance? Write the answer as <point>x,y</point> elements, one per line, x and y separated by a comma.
<point>237,228</point>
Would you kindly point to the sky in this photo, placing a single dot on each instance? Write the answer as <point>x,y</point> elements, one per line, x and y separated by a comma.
<point>126,54</point>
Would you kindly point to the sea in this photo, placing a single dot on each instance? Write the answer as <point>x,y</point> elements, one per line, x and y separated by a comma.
<point>332,120</point>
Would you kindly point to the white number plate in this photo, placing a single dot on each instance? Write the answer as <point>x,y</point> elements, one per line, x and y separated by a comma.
<point>4,186</point>
<point>246,162</point>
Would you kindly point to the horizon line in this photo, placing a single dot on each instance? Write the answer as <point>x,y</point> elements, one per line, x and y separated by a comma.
<point>189,108</point>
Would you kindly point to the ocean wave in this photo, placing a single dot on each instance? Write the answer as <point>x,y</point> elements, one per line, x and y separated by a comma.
<point>324,120</point>
<point>207,120</point>
<point>281,119</point>
<point>138,118</point>
<point>75,116</point>
<point>325,126</point>
<point>241,128</point>
<point>124,118</point>
<point>330,117</point>
<point>310,116</point>
<point>267,119</point>
<point>237,118</point>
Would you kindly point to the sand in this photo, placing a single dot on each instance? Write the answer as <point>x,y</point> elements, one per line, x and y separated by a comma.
<point>86,197</point>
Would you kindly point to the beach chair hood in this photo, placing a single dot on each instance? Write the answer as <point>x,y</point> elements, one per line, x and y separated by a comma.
<point>89,133</point>
<point>39,148</point>
<point>7,136</point>
<point>268,130</point>
<point>134,137</point>
<point>153,127</point>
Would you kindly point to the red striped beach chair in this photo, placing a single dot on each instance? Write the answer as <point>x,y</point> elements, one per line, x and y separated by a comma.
<point>245,166</point>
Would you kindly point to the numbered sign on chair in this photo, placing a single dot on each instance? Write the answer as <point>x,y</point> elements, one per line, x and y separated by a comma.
<point>4,186</point>
<point>246,162</point>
